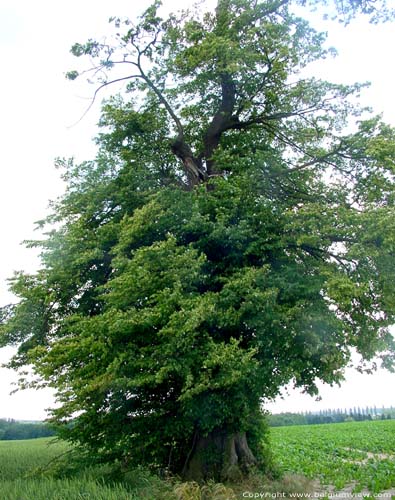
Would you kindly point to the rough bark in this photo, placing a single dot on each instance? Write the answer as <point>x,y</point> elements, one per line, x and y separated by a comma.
<point>221,456</point>
<point>192,166</point>
<point>221,121</point>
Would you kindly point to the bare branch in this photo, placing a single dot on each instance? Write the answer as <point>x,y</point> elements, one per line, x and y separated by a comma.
<point>98,90</point>
<point>314,161</point>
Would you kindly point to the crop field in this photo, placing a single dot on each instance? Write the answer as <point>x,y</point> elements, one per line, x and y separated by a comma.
<point>360,454</point>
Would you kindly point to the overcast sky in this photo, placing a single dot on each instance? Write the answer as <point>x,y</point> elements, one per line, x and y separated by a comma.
<point>39,111</point>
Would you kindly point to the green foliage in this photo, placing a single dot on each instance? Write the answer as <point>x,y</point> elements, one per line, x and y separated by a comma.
<point>231,236</point>
<point>330,416</point>
<point>10,429</point>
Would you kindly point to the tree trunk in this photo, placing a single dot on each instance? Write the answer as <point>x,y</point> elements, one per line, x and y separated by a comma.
<point>192,166</point>
<point>221,456</point>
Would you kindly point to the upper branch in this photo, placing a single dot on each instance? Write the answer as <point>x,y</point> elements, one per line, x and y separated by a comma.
<point>156,90</point>
<point>102,86</point>
<point>221,120</point>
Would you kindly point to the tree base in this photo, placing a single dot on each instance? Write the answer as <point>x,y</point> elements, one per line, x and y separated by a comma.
<point>219,456</point>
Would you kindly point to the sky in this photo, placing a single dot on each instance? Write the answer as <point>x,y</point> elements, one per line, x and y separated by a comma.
<point>40,120</point>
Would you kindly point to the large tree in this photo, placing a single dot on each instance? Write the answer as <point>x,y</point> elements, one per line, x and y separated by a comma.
<point>234,233</point>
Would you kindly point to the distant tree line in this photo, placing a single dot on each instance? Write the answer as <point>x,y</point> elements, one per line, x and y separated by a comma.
<point>11,430</point>
<point>356,414</point>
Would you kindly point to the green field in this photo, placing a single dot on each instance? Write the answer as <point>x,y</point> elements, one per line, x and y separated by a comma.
<point>359,453</point>
<point>23,476</point>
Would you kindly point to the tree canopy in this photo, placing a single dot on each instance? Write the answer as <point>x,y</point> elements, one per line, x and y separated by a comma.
<point>234,233</point>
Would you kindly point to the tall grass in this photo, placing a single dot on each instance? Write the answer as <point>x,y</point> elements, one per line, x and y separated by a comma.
<point>21,458</point>
<point>64,489</point>
<point>24,476</point>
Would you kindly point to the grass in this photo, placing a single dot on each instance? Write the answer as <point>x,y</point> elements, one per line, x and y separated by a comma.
<point>22,458</point>
<point>65,489</point>
<point>22,477</point>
